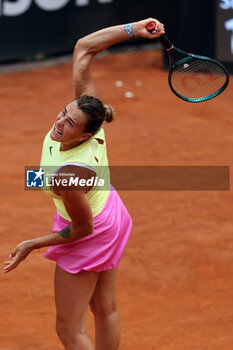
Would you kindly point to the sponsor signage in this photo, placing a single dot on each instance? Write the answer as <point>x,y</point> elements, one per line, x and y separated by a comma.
<point>37,28</point>
<point>19,7</point>
<point>224,35</point>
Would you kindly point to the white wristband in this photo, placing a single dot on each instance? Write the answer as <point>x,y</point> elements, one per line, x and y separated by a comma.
<point>128,28</point>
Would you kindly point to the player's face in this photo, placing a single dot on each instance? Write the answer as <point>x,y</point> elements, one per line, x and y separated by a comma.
<point>69,128</point>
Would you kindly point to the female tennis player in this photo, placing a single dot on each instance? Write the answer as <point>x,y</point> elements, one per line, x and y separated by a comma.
<point>91,226</point>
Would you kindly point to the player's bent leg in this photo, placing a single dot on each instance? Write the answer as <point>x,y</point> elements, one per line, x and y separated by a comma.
<point>104,307</point>
<point>72,296</point>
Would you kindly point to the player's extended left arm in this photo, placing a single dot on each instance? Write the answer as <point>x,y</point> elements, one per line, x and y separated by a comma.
<point>79,210</point>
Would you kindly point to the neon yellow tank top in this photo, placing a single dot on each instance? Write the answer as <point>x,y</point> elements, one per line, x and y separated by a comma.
<point>91,153</point>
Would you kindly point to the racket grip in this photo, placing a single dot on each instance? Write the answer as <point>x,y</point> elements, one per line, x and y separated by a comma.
<point>164,41</point>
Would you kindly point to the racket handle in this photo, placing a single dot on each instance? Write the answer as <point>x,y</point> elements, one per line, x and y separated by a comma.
<point>164,41</point>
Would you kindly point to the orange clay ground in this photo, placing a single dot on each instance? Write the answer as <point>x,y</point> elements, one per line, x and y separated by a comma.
<point>175,287</point>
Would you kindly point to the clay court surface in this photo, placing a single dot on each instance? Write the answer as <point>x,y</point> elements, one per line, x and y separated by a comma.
<point>175,287</point>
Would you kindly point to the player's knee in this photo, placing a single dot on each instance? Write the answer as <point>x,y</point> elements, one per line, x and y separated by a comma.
<point>67,333</point>
<point>103,307</point>
<point>62,330</point>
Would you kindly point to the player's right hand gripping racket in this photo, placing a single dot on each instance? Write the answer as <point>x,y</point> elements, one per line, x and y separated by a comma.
<point>191,77</point>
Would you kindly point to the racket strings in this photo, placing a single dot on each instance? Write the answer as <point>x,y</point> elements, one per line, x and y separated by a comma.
<point>198,78</point>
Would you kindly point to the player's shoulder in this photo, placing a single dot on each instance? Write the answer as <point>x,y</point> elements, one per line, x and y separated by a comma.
<point>100,135</point>
<point>73,176</point>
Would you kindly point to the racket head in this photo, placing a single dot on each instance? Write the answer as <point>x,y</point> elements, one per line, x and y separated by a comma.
<point>197,78</point>
<point>193,78</point>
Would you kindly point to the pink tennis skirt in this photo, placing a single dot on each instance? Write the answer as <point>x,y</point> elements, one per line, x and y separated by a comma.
<point>101,250</point>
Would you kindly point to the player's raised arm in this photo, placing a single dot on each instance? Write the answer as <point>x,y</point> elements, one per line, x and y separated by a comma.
<point>87,47</point>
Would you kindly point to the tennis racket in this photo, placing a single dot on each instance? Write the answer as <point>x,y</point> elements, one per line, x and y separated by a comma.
<point>192,78</point>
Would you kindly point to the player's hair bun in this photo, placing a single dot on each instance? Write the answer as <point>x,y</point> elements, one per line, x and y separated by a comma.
<point>96,112</point>
<point>108,113</point>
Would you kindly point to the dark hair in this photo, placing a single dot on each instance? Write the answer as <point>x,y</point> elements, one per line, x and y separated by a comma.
<point>95,111</point>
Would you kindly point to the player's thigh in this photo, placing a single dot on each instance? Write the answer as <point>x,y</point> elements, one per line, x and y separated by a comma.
<point>104,298</point>
<point>73,293</point>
